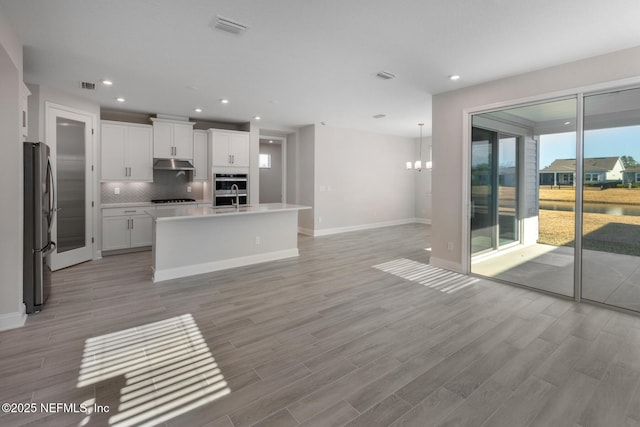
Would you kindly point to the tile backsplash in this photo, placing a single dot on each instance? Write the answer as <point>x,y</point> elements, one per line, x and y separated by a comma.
<point>165,185</point>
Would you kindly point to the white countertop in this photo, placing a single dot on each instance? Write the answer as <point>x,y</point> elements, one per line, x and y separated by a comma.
<point>187,212</point>
<point>145,204</point>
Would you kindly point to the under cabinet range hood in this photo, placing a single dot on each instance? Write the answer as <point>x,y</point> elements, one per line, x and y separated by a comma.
<point>173,165</point>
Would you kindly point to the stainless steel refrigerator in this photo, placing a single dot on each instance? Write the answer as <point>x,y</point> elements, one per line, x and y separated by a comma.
<point>39,211</point>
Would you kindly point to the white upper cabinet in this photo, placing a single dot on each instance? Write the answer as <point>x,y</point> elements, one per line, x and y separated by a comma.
<point>172,139</point>
<point>126,152</point>
<point>200,155</point>
<point>229,148</point>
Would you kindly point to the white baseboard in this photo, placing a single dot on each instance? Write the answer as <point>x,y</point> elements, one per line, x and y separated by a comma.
<point>208,267</point>
<point>447,265</point>
<point>305,231</point>
<point>337,230</point>
<point>13,320</point>
<point>423,221</point>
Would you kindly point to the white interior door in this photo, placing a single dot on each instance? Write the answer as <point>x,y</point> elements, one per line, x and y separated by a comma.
<point>69,134</point>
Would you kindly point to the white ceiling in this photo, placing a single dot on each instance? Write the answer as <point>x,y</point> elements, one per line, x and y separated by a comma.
<point>305,61</point>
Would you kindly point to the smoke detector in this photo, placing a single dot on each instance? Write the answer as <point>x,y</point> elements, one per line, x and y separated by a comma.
<point>229,25</point>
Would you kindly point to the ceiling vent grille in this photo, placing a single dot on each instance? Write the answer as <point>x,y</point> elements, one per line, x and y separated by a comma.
<point>379,116</point>
<point>88,85</point>
<point>385,75</point>
<point>229,25</point>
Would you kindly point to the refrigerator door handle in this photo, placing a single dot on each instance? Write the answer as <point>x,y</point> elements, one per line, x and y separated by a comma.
<point>51,247</point>
<point>51,182</point>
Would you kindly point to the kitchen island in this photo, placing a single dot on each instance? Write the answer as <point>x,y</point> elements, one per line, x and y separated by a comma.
<point>196,240</point>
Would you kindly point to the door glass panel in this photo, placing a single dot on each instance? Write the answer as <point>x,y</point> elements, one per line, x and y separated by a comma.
<point>611,199</point>
<point>534,196</point>
<point>507,190</point>
<point>70,180</point>
<point>483,226</point>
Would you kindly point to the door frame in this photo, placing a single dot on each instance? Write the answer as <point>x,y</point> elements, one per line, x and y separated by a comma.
<point>577,93</point>
<point>504,131</point>
<point>91,161</point>
<point>283,146</point>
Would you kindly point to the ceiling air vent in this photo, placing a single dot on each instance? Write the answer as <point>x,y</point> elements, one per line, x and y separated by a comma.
<point>229,25</point>
<point>88,85</point>
<point>379,116</point>
<point>385,75</point>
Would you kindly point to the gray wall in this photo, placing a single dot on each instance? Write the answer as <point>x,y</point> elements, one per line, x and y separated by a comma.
<point>305,176</point>
<point>361,179</point>
<point>11,181</point>
<point>271,178</point>
<point>292,165</point>
<point>448,109</point>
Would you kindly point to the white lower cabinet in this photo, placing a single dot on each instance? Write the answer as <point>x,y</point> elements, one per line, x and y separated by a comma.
<point>124,228</point>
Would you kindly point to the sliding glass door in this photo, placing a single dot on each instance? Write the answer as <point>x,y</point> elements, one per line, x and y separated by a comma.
<point>611,199</point>
<point>522,225</point>
<point>483,191</point>
<point>537,176</point>
<point>494,190</point>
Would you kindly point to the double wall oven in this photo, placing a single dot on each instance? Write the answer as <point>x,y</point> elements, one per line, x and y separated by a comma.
<point>224,191</point>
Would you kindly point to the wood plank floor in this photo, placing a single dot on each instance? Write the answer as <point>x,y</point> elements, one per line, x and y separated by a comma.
<point>325,339</point>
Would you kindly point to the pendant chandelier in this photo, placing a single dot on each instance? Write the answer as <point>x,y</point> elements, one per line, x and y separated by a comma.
<point>417,165</point>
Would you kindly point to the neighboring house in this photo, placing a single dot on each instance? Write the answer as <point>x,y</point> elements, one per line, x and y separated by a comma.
<point>481,175</point>
<point>597,170</point>
<point>507,176</point>
<point>631,175</point>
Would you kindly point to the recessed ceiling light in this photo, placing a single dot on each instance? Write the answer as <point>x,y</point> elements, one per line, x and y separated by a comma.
<point>120,99</point>
<point>454,77</point>
<point>224,101</point>
<point>107,82</point>
<point>257,117</point>
<point>271,141</point>
<point>198,110</point>
<point>567,123</point>
<point>385,75</point>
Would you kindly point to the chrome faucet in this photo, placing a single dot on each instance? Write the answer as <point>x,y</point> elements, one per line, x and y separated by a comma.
<point>235,187</point>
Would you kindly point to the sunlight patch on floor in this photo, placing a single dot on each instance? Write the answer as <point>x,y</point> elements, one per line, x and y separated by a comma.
<point>167,367</point>
<point>433,277</point>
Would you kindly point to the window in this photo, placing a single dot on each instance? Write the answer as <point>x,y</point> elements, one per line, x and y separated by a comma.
<point>264,161</point>
<point>591,177</point>
<point>637,176</point>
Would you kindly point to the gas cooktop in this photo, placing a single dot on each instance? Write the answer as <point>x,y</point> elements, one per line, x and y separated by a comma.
<point>172,200</point>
